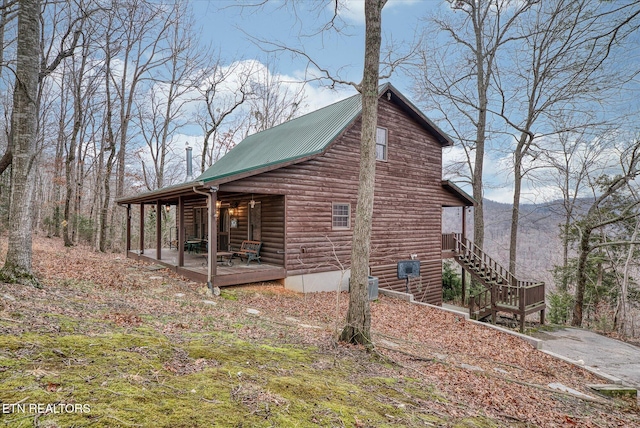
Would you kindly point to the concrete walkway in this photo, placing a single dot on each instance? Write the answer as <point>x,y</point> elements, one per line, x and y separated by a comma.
<point>609,356</point>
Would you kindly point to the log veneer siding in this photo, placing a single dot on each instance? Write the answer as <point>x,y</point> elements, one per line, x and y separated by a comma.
<point>407,207</point>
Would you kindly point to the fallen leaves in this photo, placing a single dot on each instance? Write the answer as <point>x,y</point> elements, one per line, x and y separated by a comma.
<point>474,370</point>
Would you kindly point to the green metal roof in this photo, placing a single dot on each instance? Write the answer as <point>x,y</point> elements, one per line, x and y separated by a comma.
<point>296,139</point>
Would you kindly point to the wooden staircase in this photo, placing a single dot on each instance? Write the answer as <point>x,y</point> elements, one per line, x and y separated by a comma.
<point>501,292</point>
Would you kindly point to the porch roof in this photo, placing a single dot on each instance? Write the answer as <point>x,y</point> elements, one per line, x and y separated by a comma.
<point>167,193</point>
<point>465,199</point>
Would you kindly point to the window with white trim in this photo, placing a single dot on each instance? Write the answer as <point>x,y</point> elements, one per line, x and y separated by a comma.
<point>381,144</point>
<point>341,216</point>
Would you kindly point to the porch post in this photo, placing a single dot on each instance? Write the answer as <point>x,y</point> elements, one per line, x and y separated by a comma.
<point>141,228</point>
<point>158,230</point>
<point>464,237</point>
<point>213,237</point>
<point>128,247</point>
<point>180,231</point>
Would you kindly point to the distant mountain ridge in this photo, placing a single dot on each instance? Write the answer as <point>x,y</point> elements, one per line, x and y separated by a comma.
<point>539,243</point>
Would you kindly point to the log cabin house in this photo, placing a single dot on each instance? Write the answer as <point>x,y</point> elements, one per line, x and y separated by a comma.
<point>293,188</point>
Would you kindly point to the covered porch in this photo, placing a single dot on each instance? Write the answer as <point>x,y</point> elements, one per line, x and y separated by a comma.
<point>188,218</point>
<point>195,267</point>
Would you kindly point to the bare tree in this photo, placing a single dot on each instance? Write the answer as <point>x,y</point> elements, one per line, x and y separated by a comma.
<point>622,322</point>
<point>109,134</point>
<point>220,103</point>
<point>597,218</point>
<point>273,101</point>
<point>17,267</point>
<point>32,67</point>
<point>358,323</point>
<point>161,113</point>
<point>7,15</point>
<point>139,44</point>
<point>560,68</point>
<point>134,45</point>
<point>573,158</point>
<point>455,78</point>
<point>78,96</point>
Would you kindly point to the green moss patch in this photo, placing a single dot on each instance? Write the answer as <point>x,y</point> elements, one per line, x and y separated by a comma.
<point>147,379</point>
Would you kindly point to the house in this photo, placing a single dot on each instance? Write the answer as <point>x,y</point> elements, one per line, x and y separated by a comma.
<point>293,188</point>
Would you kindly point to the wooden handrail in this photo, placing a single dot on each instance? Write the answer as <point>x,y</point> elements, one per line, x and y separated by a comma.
<point>463,247</point>
<point>475,253</point>
<point>502,290</point>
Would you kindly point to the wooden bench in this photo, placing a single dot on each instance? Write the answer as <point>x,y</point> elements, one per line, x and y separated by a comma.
<point>250,250</point>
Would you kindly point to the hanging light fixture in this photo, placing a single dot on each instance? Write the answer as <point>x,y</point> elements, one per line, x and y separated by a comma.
<point>252,203</point>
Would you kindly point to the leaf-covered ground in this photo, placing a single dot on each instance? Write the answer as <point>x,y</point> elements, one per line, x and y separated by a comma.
<point>109,342</point>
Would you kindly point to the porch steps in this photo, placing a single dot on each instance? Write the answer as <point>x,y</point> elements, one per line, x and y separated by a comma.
<point>501,290</point>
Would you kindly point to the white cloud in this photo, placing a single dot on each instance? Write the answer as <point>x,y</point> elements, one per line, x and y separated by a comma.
<point>353,10</point>
<point>318,97</point>
<point>314,97</point>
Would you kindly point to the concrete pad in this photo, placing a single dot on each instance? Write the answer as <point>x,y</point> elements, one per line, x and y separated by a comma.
<point>596,352</point>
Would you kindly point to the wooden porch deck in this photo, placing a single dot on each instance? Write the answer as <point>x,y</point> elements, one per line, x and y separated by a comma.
<point>195,268</point>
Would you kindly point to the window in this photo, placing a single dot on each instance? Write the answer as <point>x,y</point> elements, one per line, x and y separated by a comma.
<point>381,144</point>
<point>341,218</point>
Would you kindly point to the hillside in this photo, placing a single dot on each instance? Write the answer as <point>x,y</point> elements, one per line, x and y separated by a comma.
<point>112,343</point>
<point>539,245</point>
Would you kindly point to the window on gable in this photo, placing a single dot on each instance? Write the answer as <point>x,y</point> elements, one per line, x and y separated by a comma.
<point>381,144</point>
<point>341,216</point>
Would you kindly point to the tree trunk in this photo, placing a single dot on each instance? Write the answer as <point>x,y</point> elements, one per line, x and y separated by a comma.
<point>71,166</point>
<point>515,213</point>
<point>478,168</point>
<point>581,282</point>
<point>57,178</point>
<point>358,325</point>
<point>17,268</point>
<point>622,308</point>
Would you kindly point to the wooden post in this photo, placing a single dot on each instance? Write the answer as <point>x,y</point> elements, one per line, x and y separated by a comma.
<point>522,305</point>
<point>213,237</point>
<point>158,230</point>
<point>494,310</point>
<point>180,231</point>
<point>128,229</point>
<point>141,228</point>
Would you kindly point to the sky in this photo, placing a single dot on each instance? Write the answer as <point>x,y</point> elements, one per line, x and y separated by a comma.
<point>243,34</point>
<point>232,29</point>
<point>240,34</point>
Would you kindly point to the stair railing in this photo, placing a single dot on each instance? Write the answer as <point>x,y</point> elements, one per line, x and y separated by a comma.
<point>479,302</point>
<point>483,261</point>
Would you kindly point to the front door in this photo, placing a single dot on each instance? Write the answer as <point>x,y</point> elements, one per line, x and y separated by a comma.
<point>255,222</point>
